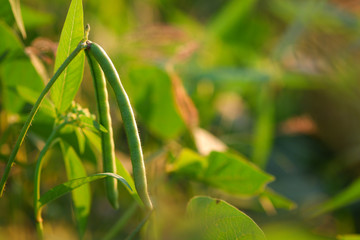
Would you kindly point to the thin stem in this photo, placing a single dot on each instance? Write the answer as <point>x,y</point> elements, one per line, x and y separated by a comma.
<point>34,110</point>
<point>138,228</point>
<point>50,141</point>
<point>121,222</point>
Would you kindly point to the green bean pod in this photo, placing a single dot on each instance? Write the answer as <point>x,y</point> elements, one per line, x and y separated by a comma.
<point>107,142</point>
<point>128,118</point>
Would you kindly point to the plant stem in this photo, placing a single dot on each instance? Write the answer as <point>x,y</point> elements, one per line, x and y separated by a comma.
<point>34,110</point>
<point>37,209</point>
<point>121,222</point>
<point>141,224</point>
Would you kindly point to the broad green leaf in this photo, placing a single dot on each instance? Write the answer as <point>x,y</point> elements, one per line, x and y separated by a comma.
<point>6,13</point>
<point>154,101</point>
<point>349,237</point>
<point>216,219</point>
<point>226,171</point>
<point>81,196</point>
<point>15,7</point>
<point>92,124</point>
<point>68,186</point>
<point>235,174</point>
<point>16,70</point>
<point>31,96</point>
<point>66,87</point>
<point>350,195</point>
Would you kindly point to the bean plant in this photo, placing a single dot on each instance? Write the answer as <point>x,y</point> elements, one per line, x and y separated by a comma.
<point>220,168</point>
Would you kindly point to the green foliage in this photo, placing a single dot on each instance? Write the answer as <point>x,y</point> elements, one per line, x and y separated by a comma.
<point>81,196</point>
<point>226,171</point>
<point>252,102</point>
<point>216,219</point>
<point>154,101</point>
<point>70,185</point>
<point>66,87</point>
<point>349,195</point>
<point>15,7</point>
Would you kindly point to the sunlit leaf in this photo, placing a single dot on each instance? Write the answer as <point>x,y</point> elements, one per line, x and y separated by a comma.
<point>233,12</point>
<point>67,85</point>
<point>226,171</point>
<point>81,196</point>
<point>154,101</point>
<point>15,7</point>
<point>31,96</point>
<point>16,70</point>
<point>92,124</point>
<point>121,170</point>
<point>277,200</point>
<point>67,187</point>
<point>80,139</point>
<point>350,195</point>
<point>216,219</point>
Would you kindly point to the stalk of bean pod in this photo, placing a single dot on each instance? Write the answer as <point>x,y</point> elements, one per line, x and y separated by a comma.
<point>107,142</point>
<point>128,117</point>
<point>34,110</point>
<point>37,209</point>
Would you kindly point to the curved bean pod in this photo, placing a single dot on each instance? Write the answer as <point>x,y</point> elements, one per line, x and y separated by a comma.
<point>107,142</point>
<point>128,117</point>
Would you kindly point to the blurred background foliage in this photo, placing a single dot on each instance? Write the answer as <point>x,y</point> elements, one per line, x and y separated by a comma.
<point>274,81</point>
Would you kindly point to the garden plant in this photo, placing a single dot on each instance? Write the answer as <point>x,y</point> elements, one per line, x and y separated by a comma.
<point>187,183</point>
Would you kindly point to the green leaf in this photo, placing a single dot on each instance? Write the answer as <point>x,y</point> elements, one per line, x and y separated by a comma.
<point>349,237</point>
<point>80,139</point>
<point>264,128</point>
<point>92,124</point>
<point>16,69</point>
<point>234,174</point>
<point>121,170</point>
<point>216,219</point>
<point>34,18</point>
<point>154,101</point>
<point>15,7</point>
<point>277,200</point>
<point>226,171</point>
<point>233,12</point>
<point>16,72</point>
<point>350,195</point>
<point>31,96</point>
<point>68,186</point>
<point>81,196</point>
<point>66,87</point>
